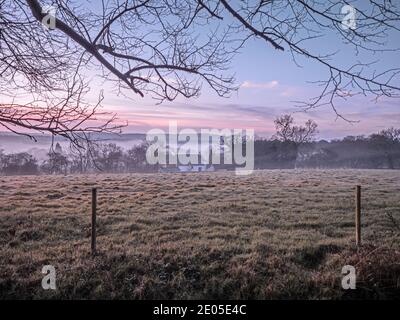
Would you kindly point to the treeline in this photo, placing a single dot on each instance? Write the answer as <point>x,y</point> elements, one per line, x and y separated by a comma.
<point>292,147</point>
<point>377,151</point>
<point>96,158</point>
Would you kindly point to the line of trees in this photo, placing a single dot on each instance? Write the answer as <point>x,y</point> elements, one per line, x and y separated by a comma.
<point>18,163</point>
<point>293,146</point>
<point>106,158</point>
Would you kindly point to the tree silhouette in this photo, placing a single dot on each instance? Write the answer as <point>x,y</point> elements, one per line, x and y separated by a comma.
<point>286,131</point>
<point>386,142</point>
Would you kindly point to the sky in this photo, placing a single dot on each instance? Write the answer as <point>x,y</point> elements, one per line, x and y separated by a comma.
<point>270,83</point>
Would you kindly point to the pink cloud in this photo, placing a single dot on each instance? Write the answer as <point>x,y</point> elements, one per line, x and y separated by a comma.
<point>260,85</point>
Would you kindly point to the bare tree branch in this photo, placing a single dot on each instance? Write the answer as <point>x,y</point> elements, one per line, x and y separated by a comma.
<point>170,48</point>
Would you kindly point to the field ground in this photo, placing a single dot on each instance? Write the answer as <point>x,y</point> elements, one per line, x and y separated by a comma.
<point>281,234</point>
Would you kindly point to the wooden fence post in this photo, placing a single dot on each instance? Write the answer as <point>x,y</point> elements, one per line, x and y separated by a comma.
<point>94,209</point>
<point>358,215</point>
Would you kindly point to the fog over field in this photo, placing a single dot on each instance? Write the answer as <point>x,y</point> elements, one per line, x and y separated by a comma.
<point>12,143</point>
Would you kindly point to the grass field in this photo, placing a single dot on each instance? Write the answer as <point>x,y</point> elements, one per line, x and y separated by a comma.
<point>274,235</point>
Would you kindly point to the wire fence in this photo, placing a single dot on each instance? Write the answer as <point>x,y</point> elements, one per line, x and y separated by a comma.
<point>97,201</point>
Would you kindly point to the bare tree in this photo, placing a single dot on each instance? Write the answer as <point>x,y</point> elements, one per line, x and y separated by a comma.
<point>386,142</point>
<point>18,164</point>
<point>68,117</point>
<point>108,157</point>
<point>287,131</point>
<point>167,48</point>
<point>298,26</point>
<point>41,86</point>
<point>135,159</point>
<point>391,134</point>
